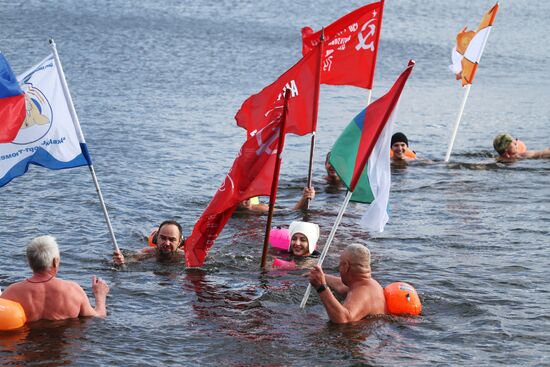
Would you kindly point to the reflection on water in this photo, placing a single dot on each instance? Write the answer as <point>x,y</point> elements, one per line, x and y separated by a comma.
<point>44,343</point>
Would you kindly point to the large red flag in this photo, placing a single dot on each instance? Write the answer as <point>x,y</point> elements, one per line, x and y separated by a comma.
<point>350,46</point>
<point>258,110</point>
<point>251,175</point>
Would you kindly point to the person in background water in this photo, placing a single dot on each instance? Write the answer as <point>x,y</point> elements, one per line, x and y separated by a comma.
<point>511,149</point>
<point>166,244</point>
<point>364,295</point>
<point>332,177</point>
<point>44,296</point>
<point>254,204</point>
<point>400,152</point>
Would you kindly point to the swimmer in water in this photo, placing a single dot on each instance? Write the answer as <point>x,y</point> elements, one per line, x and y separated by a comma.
<point>44,296</point>
<point>508,149</point>
<point>303,241</point>
<point>303,238</point>
<point>400,152</point>
<point>332,177</point>
<point>364,295</point>
<point>254,204</point>
<point>168,245</point>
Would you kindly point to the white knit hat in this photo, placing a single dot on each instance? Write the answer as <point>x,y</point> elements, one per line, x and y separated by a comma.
<point>310,230</point>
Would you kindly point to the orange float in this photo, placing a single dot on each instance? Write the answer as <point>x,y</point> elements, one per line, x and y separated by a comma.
<point>152,239</point>
<point>12,315</point>
<point>408,153</point>
<point>521,146</point>
<point>402,299</point>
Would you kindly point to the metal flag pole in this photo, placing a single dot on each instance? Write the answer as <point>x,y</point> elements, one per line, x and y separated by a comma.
<point>457,122</point>
<point>76,124</point>
<point>329,241</point>
<point>315,112</point>
<point>275,181</point>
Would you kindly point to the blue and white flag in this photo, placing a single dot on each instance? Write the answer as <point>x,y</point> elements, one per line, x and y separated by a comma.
<point>49,135</point>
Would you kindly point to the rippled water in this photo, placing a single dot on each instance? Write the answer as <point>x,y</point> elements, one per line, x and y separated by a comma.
<point>156,86</point>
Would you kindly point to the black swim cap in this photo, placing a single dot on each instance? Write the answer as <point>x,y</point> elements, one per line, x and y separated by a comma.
<point>399,137</point>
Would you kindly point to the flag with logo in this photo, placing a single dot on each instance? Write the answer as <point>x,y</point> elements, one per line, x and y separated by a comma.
<point>251,175</point>
<point>469,48</point>
<point>350,46</point>
<point>12,103</point>
<point>259,109</point>
<point>48,136</point>
<point>367,138</point>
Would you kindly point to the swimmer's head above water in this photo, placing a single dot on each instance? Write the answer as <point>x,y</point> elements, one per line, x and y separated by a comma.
<point>303,238</point>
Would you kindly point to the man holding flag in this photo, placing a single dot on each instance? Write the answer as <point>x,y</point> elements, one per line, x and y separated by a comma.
<point>366,138</point>
<point>364,295</point>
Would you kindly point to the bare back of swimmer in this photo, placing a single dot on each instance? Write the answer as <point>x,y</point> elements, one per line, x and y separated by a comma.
<point>44,296</point>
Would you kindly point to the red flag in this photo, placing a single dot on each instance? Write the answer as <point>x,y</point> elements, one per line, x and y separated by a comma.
<point>376,116</point>
<point>251,175</point>
<point>258,110</point>
<point>350,46</point>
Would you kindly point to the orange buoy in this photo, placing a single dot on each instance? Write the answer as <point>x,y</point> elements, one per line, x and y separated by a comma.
<point>408,153</point>
<point>152,238</point>
<point>521,147</point>
<point>12,315</point>
<point>402,299</point>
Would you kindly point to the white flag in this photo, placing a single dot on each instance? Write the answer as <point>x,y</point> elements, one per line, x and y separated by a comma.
<point>48,137</point>
<point>376,216</point>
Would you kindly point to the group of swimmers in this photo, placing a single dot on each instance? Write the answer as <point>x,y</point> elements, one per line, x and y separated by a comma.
<point>44,296</point>
<point>509,149</point>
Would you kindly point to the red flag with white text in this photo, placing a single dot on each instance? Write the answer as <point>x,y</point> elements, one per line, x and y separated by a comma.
<point>251,175</point>
<point>350,46</point>
<point>259,109</point>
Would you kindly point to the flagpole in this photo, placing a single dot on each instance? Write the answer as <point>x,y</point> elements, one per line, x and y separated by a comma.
<point>275,181</point>
<point>362,162</point>
<point>369,97</point>
<point>315,112</point>
<point>457,122</point>
<point>76,124</point>
<point>329,241</point>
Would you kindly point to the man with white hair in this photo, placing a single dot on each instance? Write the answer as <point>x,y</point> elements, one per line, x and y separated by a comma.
<point>364,295</point>
<point>44,296</point>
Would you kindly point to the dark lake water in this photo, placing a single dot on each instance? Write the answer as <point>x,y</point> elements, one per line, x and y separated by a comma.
<point>156,86</point>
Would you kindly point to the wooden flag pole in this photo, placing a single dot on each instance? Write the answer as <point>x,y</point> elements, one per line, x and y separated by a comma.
<point>315,112</point>
<point>275,182</point>
<point>81,138</point>
<point>457,122</point>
